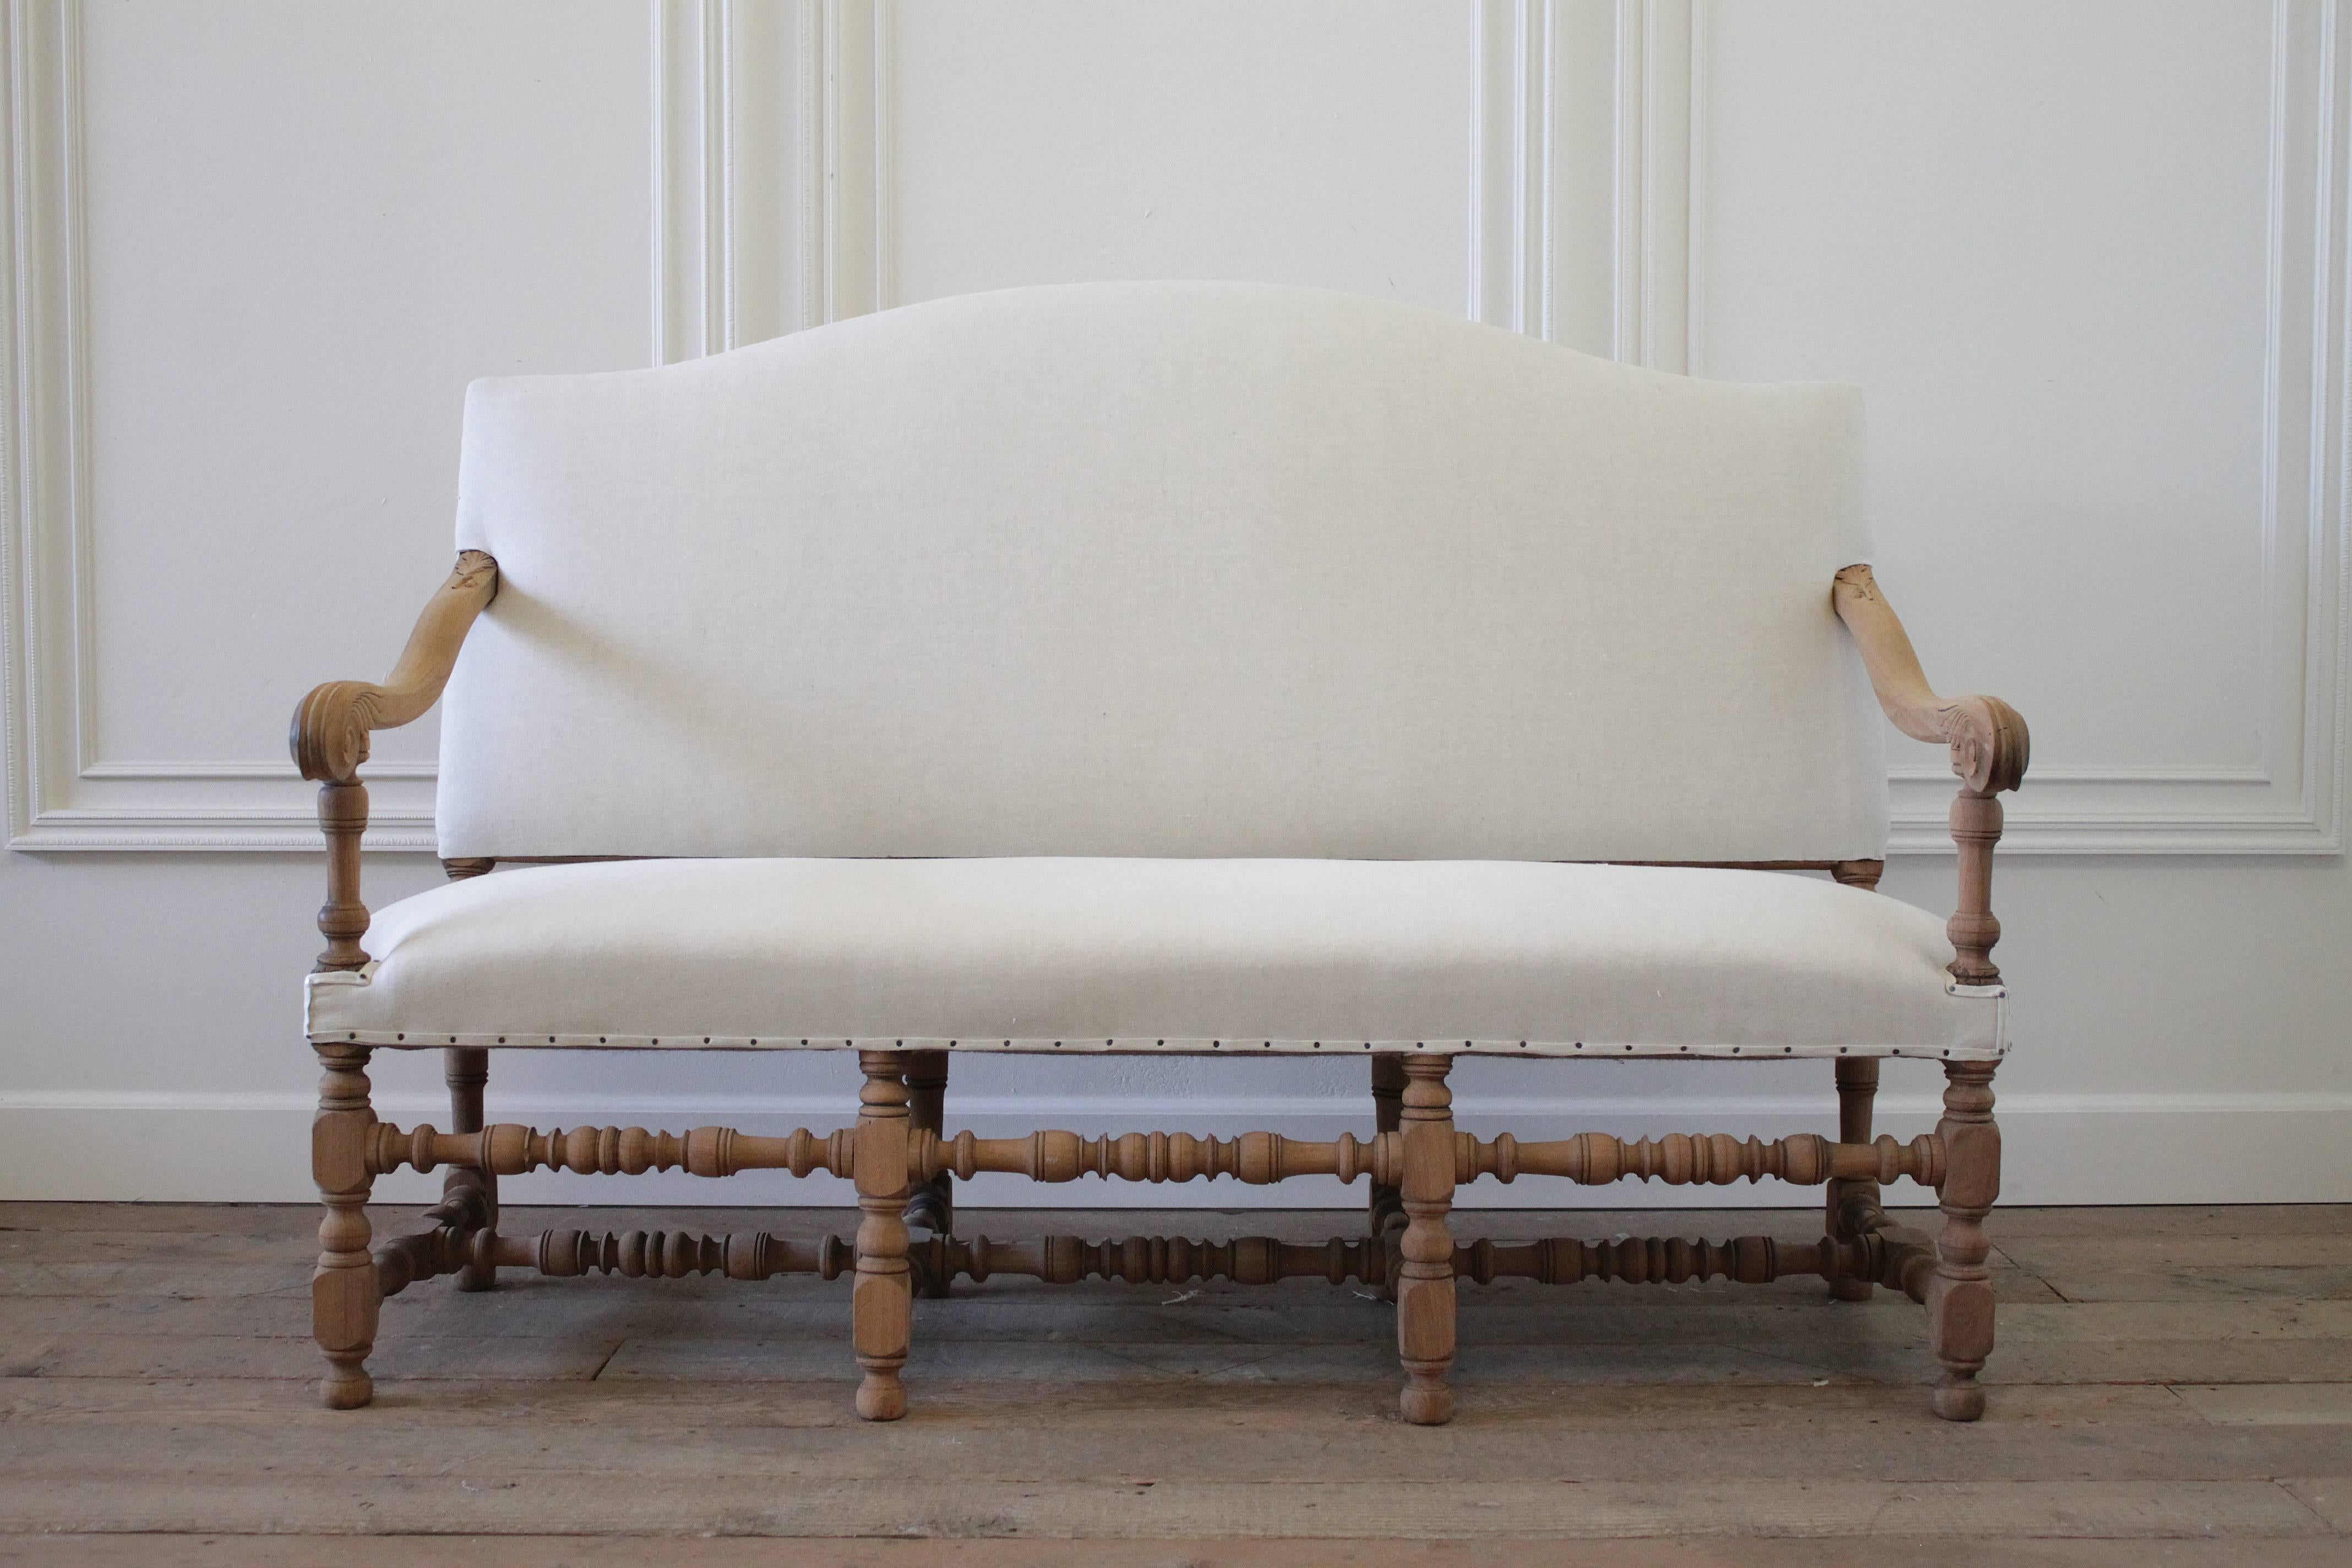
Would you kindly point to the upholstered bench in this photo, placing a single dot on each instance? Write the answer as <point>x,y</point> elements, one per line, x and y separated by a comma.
<point>1172,668</point>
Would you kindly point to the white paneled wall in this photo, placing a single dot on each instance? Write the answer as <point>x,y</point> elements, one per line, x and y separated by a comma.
<point>2092,285</point>
<point>2087,259</point>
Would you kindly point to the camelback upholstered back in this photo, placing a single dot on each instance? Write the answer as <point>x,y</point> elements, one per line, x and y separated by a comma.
<point>1165,569</point>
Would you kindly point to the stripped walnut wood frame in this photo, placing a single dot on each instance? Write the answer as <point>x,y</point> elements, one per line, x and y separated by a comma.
<point>1989,748</point>
<point>1900,1259</point>
<point>329,738</point>
<point>1989,745</point>
<point>1254,1159</point>
<point>1426,1158</point>
<point>904,1165</point>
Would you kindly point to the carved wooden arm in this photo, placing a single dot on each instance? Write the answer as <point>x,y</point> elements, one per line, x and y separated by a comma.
<point>330,735</point>
<point>1989,744</point>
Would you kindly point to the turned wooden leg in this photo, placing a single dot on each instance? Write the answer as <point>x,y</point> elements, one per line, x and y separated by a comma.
<point>1426,1282</point>
<point>466,1190</point>
<point>1959,1297</point>
<point>1388,1104</point>
<point>932,1203</point>
<point>343,1295</point>
<point>1854,1205</point>
<point>882,1306</point>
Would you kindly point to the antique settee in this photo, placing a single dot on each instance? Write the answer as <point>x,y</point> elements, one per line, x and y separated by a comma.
<point>1161,667</point>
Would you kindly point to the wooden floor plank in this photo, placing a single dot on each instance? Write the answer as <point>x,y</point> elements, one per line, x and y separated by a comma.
<point>1028,1441</point>
<point>1615,1362</point>
<point>658,1407</point>
<point>2166,1383</point>
<point>2270,1403</point>
<point>2135,1254</point>
<point>702,1551</point>
<point>2329,1496</point>
<point>577,1356</point>
<point>2118,1222</point>
<point>605,1502</point>
<point>2282,1283</point>
<point>121,1278</point>
<point>1506,1314</point>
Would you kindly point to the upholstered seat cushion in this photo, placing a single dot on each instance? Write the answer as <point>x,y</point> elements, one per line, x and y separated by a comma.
<point>1234,956</point>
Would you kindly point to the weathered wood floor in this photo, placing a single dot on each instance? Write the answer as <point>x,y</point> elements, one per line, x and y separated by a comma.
<point>2171,1386</point>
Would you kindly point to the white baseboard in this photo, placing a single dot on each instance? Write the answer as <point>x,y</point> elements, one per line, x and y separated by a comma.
<point>2060,1148</point>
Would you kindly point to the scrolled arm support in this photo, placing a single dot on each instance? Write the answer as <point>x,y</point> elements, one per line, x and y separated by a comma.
<point>329,738</point>
<point>1987,739</point>
<point>330,733</point>
<point>1989,744</point>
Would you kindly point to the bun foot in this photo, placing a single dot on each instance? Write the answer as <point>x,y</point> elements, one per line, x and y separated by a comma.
<point>881,1397</point>
<point>346,1388</point>
<point>1959,1399</point>
<point>1426,1405</point>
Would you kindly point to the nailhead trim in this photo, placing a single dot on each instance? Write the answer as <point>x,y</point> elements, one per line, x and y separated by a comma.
<point>1112,1045</point>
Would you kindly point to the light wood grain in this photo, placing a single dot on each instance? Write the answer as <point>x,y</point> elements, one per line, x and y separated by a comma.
<point>810,1447</point>
<point>1987,743</point>
<point>1425,1273</point>
<point>330,733</point>
<point>2271,1404</point>
<point>201,1497</point>
<point>1385,1217</point>
<point>882,1301</point>
<point>1960,1300</point>
<point>693,1551</point>
<point>1855,1204</point>
<point>904,1163</point>
<point>2329,1496</point>
<point>343,1291</point>
<point>930,1204</point>
<point>470,1199</point>
<point>329,738</point>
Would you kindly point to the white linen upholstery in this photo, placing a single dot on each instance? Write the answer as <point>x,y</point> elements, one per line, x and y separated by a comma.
<point>1199,569</point>
<point>1234,956</point>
